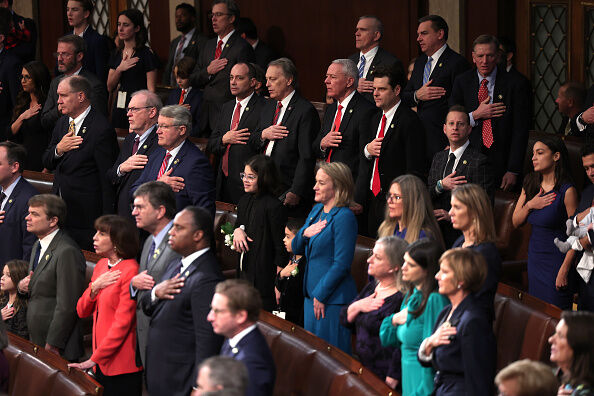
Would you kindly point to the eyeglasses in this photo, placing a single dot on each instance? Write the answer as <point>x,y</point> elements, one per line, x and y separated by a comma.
<point>63,54</point>
<point>163,126</point>
<point>393,198</point>
<point>218,311</point>
<point>248,177</point>
<point>216,14</point>
<point>26,78</point>
<point>135,109</point>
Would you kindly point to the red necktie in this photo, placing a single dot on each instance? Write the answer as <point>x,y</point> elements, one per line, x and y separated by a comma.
<point>135,146</point>
<point>219,49</point>
<point>376,185</point>
<point>182,97</point>
<point>164,165</point>
<point>274,120</point>
<point>483,93</point>
<point>335,127</point>
<point>234,124</point>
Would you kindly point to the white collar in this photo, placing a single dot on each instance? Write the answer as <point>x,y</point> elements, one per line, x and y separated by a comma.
<point>460,150</point>
<point>10,188</point>
<point>287,99</point>
<point>186,261</point>
<point>233,341</point>
<point>189,34</point>
<point>369,54</point>
<point>346,100</point>
<point>175,151</point>
<point>390,113</point>
<point>226,38</point>
<point>80,119</point>
<point>244,101</point>
<point>437,54</point>
<point>255,43</point>
<point>46,240</point>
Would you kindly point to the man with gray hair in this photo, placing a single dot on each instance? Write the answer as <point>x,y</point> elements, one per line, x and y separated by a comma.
<point>344,127</point>
<point>368,33</point>
<point>143,111</point>
<point>214,376</point>
<point>82,148</point>
<point>179,163</point>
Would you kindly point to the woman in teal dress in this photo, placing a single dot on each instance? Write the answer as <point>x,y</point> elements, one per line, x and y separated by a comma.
<point>419,310</point>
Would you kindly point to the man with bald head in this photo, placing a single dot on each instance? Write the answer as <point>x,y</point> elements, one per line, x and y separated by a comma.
<point>82,148</point>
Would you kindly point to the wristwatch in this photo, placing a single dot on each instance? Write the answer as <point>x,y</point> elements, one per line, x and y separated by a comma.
<point>439,187</point>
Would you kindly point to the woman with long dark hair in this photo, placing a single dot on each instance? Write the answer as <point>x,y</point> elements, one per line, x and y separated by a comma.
<point>548,198</point>
<point>25,127</point>
<point>14,305</point>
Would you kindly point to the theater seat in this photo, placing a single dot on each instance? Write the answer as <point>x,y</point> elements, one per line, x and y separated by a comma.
<point>43,182</point>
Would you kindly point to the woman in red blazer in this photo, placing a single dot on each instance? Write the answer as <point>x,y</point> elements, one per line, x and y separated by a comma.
<point>114,313</point>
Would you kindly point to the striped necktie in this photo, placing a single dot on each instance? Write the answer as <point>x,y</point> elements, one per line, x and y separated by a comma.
<point>427,70</point>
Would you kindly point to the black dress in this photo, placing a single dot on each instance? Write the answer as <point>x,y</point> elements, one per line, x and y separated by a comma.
<point>264,218</point>
<point>291,289</point>
<point>18,323</point>
<point>35,138</point>
<point>132,80</point>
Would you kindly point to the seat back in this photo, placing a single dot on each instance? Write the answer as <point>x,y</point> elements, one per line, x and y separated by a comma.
<point>43,182</point>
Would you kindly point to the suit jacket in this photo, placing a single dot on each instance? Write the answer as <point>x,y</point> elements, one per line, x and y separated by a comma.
<point>123,183</point>
<point>264,55</point>
<point>254,352</point>
<point>433,112</point>
<point>114,327</point>
<point>56,284</point>
<point>230,188</point>
<point>25,50</point>
<point>354,128</point>
<point>191,164</point>
<point>573,128</point>
<point>293,154</point>
<point>467,363</point>
<point>193,49</point>
<point>179,337</point>
<point>97,54</point>
<point>80,175</point>
<point>16,240</point>
<point>10,72</point>
<point>401,151</point>
<point>510,131</point>
<point>194,99</point>
<point>382,57</point>
<point>50,113</point>
<point>155,266</point>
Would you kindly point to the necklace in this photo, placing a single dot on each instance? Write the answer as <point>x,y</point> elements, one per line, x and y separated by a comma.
<point>109,264</point>
<point>380,287</point>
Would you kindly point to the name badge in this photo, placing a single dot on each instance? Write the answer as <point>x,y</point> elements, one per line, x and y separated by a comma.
<point>121,103</point>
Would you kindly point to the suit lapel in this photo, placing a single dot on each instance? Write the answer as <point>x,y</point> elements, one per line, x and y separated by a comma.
<point>464,161</point>
<point>289,111</point>
<point>82,132</point>
<point>148,143</point>
<point>441,64</point>
<point>498,96</point>
<point>47,256</point>
<point>348,113</point>
<point>151,261</point>
<point>228,45</point>
<point>376,60</point>
<point>247,112</point>
<point>12,199</point>
<point>180,156</point>
<point>391,129</point>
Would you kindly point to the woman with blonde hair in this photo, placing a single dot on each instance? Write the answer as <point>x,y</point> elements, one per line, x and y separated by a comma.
<point>328,242</point>
<point>409,212</point>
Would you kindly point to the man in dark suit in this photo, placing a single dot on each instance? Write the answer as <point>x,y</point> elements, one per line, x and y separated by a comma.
<point>431,82</point>
<point>500,118</point>
<point>570,102</point>
<point>71,52</point>
<point>10,77</point>
<point>234,312</point>
<point>179,336</point>
<point>56,280</point>
<point>368,33</point>
<point>179,163</point>
<point>216,60</point>
<point>249,32</point>
<point>396,144</point>
<point>288,125</point>
<point>15,192</point>
<point>154,210</point>
<point>507,50</point>
<point>143,112</point>
<point>192,44</point>
<point>585,121</point>
<point>25,49</point>
<point>82,148</point>
<point>239,118</point>
<point>346,121</point>
<point>458,165</point>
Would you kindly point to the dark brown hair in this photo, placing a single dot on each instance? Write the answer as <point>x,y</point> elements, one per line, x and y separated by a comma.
<point>122,232</point>
<point>241,296</point>
<point>18,269</point>
<point>580,327</point>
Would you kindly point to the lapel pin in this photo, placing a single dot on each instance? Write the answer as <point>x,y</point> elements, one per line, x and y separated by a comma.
<point>440,64</point>
<point>289,108</point>
<point>144,147</point>
<point>235,350</point>
<point>10,201</point>
<point>500,96</point>
<point>247,109</point>
<point>227,46</point>
<point>46,257</point>
<point>370,72</point>
<point>351,110</point>
<point>193,42</point>
<point>176,161</point>
<point>187,273</point>
<point>84,130</point>
<point>465,162</point>
<point>392,126</point>
<point>156,253</point>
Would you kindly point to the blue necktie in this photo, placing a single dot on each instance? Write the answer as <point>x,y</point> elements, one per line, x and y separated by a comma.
<point>177,266</point>
<point>427,70</point>
<point>36,258</point>
<point>362,66</point>
<point>151,252</point>
<point>226,349</point>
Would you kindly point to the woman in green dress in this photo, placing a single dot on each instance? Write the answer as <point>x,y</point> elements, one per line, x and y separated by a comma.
<point>420,307</point>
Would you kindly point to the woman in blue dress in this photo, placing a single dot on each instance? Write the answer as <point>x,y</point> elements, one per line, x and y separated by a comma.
<point>548,198</point>
<point>328,242</point>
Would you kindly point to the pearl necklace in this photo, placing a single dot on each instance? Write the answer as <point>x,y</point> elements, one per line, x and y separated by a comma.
<point>109,264</point>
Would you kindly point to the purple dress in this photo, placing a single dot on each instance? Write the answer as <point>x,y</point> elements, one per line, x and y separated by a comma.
<point>544,258</point>
<point>369,349</point>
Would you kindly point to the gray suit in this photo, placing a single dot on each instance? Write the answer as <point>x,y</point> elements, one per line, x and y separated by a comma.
<point>155,266</point>
<point>55,287</point>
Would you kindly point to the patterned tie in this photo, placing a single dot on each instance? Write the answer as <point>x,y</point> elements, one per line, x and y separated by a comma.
<point>335,127</point>
<point>270,144</point>
<point>164,165</point>
<point>450,165</point>
<point>362,66</point>
<point>427,70</point>
<point>182,97</point>
<point>72,127</point>
<point>135,145</point>
<point>234,124</point>
<point>219,49</point>
<point>483,94</point>
<point>151,252</point>
<point>376,185</point>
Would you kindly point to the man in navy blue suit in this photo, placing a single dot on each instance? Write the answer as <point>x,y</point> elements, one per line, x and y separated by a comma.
<point>179,163</point>
<point>234,312</point>
<point>15,192</point>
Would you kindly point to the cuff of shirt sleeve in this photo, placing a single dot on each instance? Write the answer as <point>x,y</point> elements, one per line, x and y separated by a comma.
<point>367,155</point>
<point>421,353</point>
<point>472,120</point>
<point>578,121</point>
<point>153,296</point>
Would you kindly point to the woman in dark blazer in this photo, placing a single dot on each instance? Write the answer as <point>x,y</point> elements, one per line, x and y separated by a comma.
<point>259,231</point>
<point>462,347</point>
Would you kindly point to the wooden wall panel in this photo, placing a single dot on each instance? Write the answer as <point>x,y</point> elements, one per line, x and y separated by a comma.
<point>51,25</point>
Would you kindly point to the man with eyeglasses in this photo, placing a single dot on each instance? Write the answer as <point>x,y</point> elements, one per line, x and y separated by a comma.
<point>217,58</point>
<point>179,163</point>
<point>70,54</point>
<point>143,111</point>
<point>10,71</point>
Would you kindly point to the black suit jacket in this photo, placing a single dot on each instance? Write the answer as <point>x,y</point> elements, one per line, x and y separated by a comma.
<point>10,72</point>
<point>25,50</point>
<point>382,57</point>
<point>193,49</point>
<point>433,112</point>
<point>573,131</point>
<point>293,154</point>
<point>123,183</point>
<point>179,336</point>
<point>194,99</point>
<point>230,189</point>
<point>80,175</point>
<point>354,128</point>
<point>97,54</point>
<point>16,240</point>
<point>402,151</point>
<point>264,55</point>
<point>510,131</point>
